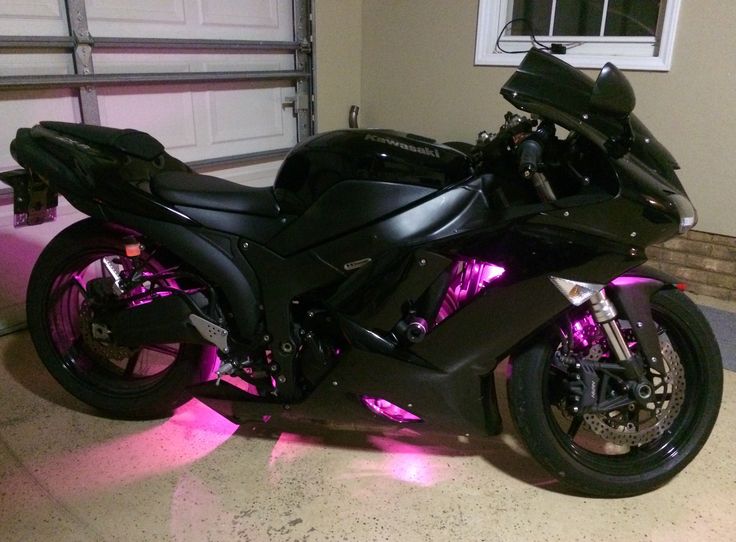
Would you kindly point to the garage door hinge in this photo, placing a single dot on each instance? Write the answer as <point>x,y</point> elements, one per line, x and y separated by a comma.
<point>305,46</point>
<point>300,102</point>
<point>83,38</point>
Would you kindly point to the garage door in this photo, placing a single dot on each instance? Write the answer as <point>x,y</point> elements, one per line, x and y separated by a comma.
<point>224,84</point>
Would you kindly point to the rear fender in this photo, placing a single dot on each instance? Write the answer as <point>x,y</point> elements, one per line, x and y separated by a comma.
<point>214,255</point>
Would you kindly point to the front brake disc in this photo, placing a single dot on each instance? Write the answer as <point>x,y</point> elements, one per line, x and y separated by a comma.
<point>668,397</point>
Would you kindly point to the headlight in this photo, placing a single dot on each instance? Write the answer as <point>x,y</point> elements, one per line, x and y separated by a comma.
<point>688,214</point>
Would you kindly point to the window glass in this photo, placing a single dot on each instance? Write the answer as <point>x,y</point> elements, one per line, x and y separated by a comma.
<point>537,12</point>
<point>578,17</point>
<point>632,17</point>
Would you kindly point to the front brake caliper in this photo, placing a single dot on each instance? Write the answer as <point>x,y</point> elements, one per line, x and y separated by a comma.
<point>582,384</point>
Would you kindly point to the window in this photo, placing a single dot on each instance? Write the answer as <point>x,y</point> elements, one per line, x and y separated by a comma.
<point>633,34</point>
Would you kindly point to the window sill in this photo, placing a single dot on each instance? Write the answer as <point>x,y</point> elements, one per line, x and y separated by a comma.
<point>581,61</point>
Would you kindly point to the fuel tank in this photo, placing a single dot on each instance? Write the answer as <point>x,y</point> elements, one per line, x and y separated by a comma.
<point>339,181</point>
<point>322,161</point>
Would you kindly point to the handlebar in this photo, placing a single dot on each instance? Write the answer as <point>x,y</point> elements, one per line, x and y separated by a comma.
<point>530,156</point>
<point>530,152</point>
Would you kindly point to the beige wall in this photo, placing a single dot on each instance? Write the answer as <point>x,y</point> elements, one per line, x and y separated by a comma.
<point>338,47</point>
<point>418,75</point>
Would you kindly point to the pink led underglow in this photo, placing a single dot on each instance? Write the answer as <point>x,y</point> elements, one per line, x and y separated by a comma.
<point>388,410</point>
<point>471,278</point>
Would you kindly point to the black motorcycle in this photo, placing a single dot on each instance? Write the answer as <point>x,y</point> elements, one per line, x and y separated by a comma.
<point>440,260</point>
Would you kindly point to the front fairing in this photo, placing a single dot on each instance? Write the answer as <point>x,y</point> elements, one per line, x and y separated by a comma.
<point>551,88</point>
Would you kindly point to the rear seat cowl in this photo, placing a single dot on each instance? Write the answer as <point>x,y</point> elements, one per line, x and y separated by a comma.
<point>133,142</point>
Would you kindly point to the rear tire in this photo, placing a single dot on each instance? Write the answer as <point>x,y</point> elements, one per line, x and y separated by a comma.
<point>145,382</point>
<point>619,471</point>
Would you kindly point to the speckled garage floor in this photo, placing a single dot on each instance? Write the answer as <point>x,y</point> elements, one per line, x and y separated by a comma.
<point>66,474</point>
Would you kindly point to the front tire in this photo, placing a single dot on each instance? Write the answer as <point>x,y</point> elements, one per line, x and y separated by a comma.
<point>135,383</point>
<point>582,458</point>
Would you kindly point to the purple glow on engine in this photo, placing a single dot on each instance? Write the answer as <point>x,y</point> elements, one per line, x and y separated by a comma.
<point>584,331</point>
<point>470,278</point>
<point>388,410</point>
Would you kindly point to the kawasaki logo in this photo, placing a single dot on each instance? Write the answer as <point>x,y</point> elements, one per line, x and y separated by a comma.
<point>411,148</point>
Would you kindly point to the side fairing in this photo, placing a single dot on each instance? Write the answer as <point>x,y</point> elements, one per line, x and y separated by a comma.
<point>338,182</point>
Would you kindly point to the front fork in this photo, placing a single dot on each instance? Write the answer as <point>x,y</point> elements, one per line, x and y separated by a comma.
<point>605,314</point>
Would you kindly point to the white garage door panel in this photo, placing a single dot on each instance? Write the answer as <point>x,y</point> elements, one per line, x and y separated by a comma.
<point>261,14</point>
<point>33,17</point>
<point>145,13</point>
<point>210,19</point>
<point>40,64</point>
<point>195,122</point>
<point>238,115</point>
<point>242,121</point>
<point>25,109</point>
<point>164,112</point>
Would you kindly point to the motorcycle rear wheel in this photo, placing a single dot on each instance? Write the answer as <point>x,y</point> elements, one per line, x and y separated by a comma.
<point>610,469</point>
<point>134,383</point>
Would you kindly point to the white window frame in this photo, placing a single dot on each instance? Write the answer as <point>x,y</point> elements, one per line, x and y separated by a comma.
<point>628,53</point>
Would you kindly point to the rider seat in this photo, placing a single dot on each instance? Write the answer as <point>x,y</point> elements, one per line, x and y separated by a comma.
<point>206,192</point>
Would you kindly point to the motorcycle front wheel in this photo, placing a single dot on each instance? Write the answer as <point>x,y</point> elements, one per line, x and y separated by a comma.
<point>631,450</point>
<point>145,382</point>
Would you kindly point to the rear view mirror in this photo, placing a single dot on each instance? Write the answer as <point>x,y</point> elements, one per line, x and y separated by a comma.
<point>612,93</point>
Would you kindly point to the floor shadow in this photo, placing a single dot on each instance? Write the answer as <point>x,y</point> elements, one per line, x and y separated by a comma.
<point>20,360</point>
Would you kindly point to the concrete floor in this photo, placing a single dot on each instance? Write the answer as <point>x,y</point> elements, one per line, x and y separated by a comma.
<point>67,474</point>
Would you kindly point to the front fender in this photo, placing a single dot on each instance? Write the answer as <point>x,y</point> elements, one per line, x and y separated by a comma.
<point>631,293</point>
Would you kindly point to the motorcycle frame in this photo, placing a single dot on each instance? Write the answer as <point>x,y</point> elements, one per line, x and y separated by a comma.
<point>448,378</point>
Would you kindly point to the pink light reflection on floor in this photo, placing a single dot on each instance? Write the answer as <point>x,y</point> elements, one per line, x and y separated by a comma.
<point>401,462</point>
<point>192,433</point>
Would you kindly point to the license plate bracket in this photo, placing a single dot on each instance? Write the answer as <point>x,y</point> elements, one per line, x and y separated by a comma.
<point>34,199</point>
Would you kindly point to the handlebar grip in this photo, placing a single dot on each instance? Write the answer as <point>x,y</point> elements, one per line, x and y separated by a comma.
<point>530,156</point>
